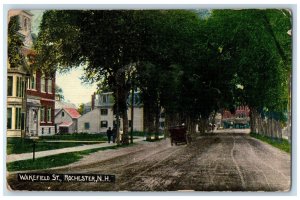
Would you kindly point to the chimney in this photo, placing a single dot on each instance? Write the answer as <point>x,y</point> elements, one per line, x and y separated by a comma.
<point>93,101</point>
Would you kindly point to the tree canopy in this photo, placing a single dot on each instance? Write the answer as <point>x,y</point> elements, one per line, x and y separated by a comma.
<point>188,62</point>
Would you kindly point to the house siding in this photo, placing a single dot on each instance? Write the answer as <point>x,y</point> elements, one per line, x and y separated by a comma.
<point>93,118</point>
<point>66,118</point>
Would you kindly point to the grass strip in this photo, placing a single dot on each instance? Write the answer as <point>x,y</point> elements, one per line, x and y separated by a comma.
<point>19,145</point>
<point>55,160</point>
<point>281,144</point>
<point>77,136</point>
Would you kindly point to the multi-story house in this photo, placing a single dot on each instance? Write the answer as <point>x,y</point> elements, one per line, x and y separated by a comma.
<point>30,95</point>
<point>40,105</point>
<point>102,116</point>
<point>16,81</point>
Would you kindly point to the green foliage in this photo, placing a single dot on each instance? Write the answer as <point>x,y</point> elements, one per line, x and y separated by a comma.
<point>59,92</point>
<point>81,109</point>
<point>192,63</point>
<point>15,43</point>
<point>77,137</point>
<point>258,59</point>
<point>281,144</point>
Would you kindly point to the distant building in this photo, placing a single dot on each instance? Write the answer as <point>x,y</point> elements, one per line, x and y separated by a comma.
<point>87,107</point>
<point>239,119</point>
<point>101,116</point>
<point>66,120</point>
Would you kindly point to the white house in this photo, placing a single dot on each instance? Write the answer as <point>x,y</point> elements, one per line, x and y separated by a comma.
<point>66,120</point>
<point>101,117</point>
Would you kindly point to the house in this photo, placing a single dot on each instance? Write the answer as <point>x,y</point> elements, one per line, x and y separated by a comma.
<point>102,116</point>
<point>66,120</point>
<point>30,93</point>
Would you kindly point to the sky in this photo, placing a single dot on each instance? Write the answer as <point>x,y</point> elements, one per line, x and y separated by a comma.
<point>74,90</point>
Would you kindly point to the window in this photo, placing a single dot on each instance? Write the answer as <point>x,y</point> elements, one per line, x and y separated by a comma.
<point>42,130</point>
<point>49,114</point>
<point>43,85</point>
<point>104,111</point>
<point>49,131</point>
<point>9,118</point>
<point>86,125</point>
<point>10,85</point>
<point>103,124</point>
<point>32,82</point>
<point>49,85</point>
<point>42,114</point>
<point>20,87</point>
<point>162,124</point>
<point>18,118</point>
<point>104,99</point>
<point>62,114</point>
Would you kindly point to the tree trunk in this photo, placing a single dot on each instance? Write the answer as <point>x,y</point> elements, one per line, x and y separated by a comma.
<point>123,93</point>
<point>254,120</point>
<point>125,138</point>
<point>191,128</point>
<point>202,125</point>
<point>148,120</point>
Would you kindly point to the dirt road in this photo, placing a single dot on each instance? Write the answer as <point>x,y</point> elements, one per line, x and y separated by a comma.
<point>215,162</point>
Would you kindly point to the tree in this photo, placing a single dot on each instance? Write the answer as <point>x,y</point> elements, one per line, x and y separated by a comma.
<point>59,92</point>
<point>15,44</point>
<point>258,59</point>
<point>190,64</point>
<point>81,109</point>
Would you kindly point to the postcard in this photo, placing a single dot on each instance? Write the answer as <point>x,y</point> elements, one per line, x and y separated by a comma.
<point>189,100</point>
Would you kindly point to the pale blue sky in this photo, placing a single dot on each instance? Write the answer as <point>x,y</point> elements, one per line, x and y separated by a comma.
<point>74,91</point>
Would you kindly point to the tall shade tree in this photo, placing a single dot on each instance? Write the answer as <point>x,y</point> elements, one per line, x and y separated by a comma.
<point>15,43</point>
<point>260,49</point>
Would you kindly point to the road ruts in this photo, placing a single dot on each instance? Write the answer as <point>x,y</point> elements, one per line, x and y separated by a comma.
<point>214,162</point>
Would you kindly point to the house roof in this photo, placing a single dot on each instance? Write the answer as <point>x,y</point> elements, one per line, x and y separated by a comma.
<point>72,112</point>
<point>65,124</point>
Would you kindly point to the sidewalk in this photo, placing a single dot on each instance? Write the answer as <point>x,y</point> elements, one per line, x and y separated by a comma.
<point>39,154</point>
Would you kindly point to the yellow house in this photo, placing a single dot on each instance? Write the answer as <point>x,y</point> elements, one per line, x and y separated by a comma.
<point>16,78</point>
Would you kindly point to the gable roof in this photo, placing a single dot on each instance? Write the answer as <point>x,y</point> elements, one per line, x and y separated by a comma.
<point>72,112</point>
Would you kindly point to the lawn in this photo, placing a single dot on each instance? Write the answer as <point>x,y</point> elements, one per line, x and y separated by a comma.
<point>77,137</point>
<point>19,145</point>
<point>282,144</point>
<point>143,134</point>
<point>55,160</point>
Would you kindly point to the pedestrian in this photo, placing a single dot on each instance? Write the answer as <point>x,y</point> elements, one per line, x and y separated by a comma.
<point>109,134</point>
<point>114,134</point>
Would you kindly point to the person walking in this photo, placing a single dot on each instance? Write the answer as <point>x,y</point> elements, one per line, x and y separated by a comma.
<point>109,134</point>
